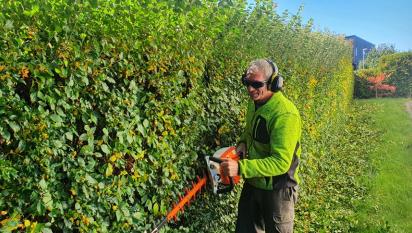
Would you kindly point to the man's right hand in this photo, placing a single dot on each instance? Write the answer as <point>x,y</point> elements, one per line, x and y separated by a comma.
<point>241,150</point>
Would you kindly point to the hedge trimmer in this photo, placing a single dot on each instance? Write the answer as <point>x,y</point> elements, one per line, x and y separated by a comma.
<point>219,183</point>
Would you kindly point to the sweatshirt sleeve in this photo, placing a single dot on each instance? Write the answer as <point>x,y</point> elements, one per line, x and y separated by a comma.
<point>284,135</point>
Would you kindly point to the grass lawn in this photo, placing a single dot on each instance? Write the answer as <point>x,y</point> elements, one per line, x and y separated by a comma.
<point>388,207</point>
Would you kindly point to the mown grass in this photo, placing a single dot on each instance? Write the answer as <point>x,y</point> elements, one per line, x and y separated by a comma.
<point>388,206</point>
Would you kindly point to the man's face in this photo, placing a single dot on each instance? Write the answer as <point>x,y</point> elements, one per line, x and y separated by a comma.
<point>258,94</point>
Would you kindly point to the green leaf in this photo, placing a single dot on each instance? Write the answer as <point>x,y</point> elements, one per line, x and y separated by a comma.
<point>8,25</point>
<point>141,129</point>
<point>137,215</point>
<point>90,179</point>
<point>46,230</point>
<point>125,211</point>
<point>155,208</point>
<point>57,119</point>
<point>132,85</point>
<point>58,71</point>
<point>15,127</point>
<point>105,131</point>
<point>77,206</point>
<point>81,162</point>
<point>5,134</point>
<point>105,87</point>
<point>111,80</point>
<point>87,150</point>
<point>145,123</point>
<point>58,144</point>
<point>40,207</point>
<point>22,145</point>
<point>32,12</point>
<point>43,184</point>
<point>93,118</point>
<point>118,215</point>
<point>149,204</point>
<point>129,138</point>
<point>105,149</point>
<point>181,73</point>
<point>69,136</point>
<point>60,112</point>
<point>47,200</point>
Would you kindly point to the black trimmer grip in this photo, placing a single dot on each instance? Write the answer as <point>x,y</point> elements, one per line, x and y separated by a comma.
<point>214,159</point>
<point>241,155</point>
<point>229,188</point>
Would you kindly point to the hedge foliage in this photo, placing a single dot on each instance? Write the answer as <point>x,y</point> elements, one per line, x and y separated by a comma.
<point>399,66</point>
<point>108,107</point>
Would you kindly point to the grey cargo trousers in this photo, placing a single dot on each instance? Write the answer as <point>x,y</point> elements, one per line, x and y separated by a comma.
<point>266,211</point>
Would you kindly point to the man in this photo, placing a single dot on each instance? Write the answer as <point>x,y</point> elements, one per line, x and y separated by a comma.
<point>270,145</point>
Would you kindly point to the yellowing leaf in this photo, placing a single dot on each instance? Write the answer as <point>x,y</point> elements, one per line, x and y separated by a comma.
<point>24,72</point>
<point>140,155</point>
<point>26,223</point>
<point>109,169</point>
<point>113,158</point>
<point>85,220</point>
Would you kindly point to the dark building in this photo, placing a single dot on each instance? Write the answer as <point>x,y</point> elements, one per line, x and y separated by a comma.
<point>361,48</point>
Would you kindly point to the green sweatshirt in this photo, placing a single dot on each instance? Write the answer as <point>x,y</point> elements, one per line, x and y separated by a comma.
<point>272,137</point>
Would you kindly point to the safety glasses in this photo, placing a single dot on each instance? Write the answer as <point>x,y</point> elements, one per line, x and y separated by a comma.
<point>254,84</point>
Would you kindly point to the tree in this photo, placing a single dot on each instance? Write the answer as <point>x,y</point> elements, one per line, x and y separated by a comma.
<point>377,84</point>
<point>372,59</point>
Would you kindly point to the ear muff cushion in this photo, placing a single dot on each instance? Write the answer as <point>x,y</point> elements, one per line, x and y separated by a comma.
<point>278,84</point>
<point>275,80</point>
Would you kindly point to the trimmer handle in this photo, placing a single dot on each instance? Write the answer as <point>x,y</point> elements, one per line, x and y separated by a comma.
<point>230,187</point>
<point>217,160</point>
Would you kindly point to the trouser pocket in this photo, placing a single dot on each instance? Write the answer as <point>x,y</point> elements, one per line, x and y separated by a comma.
<point>284,205</point>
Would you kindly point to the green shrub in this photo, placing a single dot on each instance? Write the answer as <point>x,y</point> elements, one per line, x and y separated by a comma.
<point>107,108</point>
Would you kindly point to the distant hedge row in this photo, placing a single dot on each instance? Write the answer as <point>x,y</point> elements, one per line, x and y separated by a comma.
<point>108,107</point>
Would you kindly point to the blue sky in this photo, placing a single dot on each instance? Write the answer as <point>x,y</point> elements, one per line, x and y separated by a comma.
<point>379,21</point>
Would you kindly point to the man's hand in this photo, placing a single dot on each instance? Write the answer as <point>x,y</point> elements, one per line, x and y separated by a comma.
<point>241,150</point>
<point>229,167</point>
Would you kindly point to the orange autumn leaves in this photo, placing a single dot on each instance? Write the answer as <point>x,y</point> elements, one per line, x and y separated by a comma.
<point>377,83</point>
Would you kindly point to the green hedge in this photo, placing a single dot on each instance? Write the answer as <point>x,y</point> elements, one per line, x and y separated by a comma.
<point>107,108</point>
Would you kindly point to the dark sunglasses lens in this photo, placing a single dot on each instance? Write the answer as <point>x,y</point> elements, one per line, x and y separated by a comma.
<point>256,84</point>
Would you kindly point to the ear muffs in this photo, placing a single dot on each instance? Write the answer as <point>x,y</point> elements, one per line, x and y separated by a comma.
<point>275,80</point>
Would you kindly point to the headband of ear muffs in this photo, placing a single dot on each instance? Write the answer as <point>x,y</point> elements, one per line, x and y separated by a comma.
<point>275,80</point>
